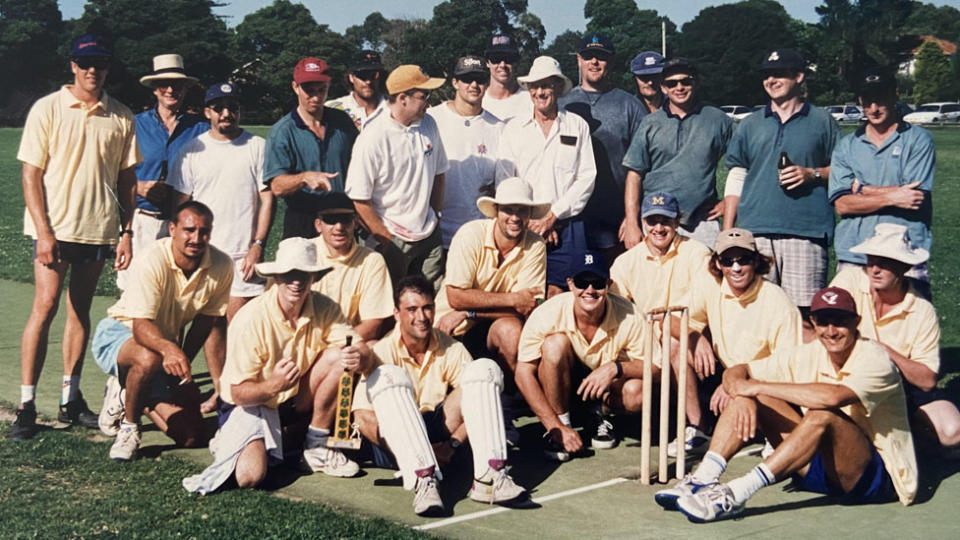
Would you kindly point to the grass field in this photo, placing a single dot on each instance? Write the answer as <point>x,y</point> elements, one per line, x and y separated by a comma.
<point>62,485</point>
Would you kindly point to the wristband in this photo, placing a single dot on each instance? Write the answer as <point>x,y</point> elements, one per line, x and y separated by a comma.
<point>126,231</point>
<point>258,242</point>
<point>619,369</point>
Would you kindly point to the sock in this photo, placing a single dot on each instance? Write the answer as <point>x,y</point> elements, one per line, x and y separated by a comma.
<point>744,487</point>
<point>565,419</point>
<point>127,425</point>
<point>68,391</point>
<point>316,435</point>
<point>710,468</point>
<point>28,392</point>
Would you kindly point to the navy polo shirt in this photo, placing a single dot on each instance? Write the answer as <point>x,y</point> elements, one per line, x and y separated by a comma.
<point>158,146</point>
<point>808,137</point>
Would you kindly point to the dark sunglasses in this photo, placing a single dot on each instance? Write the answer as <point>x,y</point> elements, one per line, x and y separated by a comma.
<point>367,75</point>
<point>217,106</point>
<point>780,73</point>
<point>828,318</point>
<point>686,81</point>
<point>474,78</point>
<point>333,219</point>
<point>743,260</point>
<point>585,281</point>
<point>92,62</point>
<point>497,58</point>
<point>601,56</point>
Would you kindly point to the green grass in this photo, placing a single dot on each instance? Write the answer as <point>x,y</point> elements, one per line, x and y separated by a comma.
<point>58,485</point>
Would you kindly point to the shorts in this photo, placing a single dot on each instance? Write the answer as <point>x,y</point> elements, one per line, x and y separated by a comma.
<point>241,288</point>
<point>602,236</point>
<point>74,253</point>
<point>108,338</point>
<point>917,398</point>
<point>874,486</point>
<point>572,243</point>
<point>475,339</point>
<point>799,264</point>
<point>705,232</point>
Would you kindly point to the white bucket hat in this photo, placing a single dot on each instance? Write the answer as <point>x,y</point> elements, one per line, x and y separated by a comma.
<point>293,254</point>
<point>545,67</point>
<point>167,67</point>
<point>512,191</point>
<point>891,240</point>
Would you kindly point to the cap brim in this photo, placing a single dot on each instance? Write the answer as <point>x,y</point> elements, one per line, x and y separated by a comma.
<point>659,212</point>
<point>273,268</point>
<point>650,71</point>
<point>431,84</point>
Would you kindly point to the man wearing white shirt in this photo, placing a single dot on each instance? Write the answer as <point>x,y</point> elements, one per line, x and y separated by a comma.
<point>366,89</point>
<point>471,137</point>
<point>396,177</point>
<point>551,149</point>
<point>504,98</point>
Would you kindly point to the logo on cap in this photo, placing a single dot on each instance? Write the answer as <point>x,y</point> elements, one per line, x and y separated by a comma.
<point>500,40</point>
<point>226,88</point>
<point>471,62</point>
<point>595,40</point>
<point>310,66</point>
<point>830,297</point>
<point>649,61</point>
<point>872,78</point>
<point>87,44</point>
<point>657,200</point>
<point>588,259</point>
<point>774,56</point>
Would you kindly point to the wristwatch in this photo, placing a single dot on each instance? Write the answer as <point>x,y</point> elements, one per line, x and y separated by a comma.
<point>816,174</point>
<point>471,314</point>
<point>258,242</point>
<point>455,443</point>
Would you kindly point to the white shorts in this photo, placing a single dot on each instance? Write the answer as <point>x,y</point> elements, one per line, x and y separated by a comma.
<point>241,288</point>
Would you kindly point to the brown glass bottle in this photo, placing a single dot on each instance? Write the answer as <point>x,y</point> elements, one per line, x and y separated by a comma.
<point>782,164</point>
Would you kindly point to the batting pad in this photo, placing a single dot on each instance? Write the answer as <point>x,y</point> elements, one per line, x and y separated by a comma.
<point>391,392</point>
<point>481,383</point>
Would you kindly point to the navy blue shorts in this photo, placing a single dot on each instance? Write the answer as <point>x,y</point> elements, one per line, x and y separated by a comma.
<point>572,242</point>
<point>917,398</point>
<point>874,486</point>
<point>602,236</point>
<point>74,253</point>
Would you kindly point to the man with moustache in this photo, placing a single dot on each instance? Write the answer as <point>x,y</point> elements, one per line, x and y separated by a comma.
<point>646,68</point>
<point>78,150</point>
<point>308,151</point>
<point>618,115</point>
<point>366,89</point>
<point>397,177</point>
<point>504,98</point>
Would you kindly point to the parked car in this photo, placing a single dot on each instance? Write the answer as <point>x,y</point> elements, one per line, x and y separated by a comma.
<point>935,113</point>
<point>845,113</point>
<point>737,112</point>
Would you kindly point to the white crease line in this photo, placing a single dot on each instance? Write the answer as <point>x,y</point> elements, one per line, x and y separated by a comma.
<point>501,509</point>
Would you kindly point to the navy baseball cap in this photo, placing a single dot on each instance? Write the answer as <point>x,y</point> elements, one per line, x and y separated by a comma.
<point>589,261</point>
<point>220,90</point>
<point>678,64</point>
<point>89,45</point>
<point>647,63</point>
<point>369,61</point>
<point>502,44</point>
<point>783,59</point>
<point>596,42</point>
<point>877,81</point>
<point>660,203</point>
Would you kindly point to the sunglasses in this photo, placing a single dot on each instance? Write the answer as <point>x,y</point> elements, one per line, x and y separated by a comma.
<point>497,58</point>
<point>93,62</point>
<point>217,106</point>
<point>367,75</point>
<point>671,83</point>
<point>585,281</point>
<point>474,78</point>
<point>601,56</point>
<point>333,219</point>
<point>779,73</point>
<point>742,260</point>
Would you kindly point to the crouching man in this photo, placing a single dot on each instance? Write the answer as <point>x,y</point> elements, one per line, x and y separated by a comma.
<point>834,409</point>
<point>286,351</point>
<point>427,399</point>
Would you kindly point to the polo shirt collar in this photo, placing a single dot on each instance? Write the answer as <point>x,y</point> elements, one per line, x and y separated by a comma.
<point>297,121</point>
<point>69,100</point>
<point>905,306</point>
<point>491,244</point>
<point>902,127</point>
<point>405,355</point>
<point>334,257</point>
<point>804,111</point>
<point>671,251</point>
<point>156,116</point>
<point>307,313</point>
<point>666,109</point>
<point>748,295</point>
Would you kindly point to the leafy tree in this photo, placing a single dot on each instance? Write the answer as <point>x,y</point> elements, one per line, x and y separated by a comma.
<point>32,66</point>
<point>933,74</point>
<point>564,49</point>
<point>928,19</point>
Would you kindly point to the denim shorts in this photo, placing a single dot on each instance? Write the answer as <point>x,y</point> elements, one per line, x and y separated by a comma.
<point>108,338</point>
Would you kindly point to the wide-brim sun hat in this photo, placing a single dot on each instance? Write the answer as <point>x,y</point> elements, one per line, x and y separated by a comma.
<point>512,191</point>
<point>293,254</point>
<point>545,67</point>
<point>892,241</point>
<point>167,67</point>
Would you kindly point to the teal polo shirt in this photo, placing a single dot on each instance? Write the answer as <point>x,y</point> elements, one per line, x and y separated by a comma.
<point>906,156</point>
<point>680,156</point>
<point>808,137</point>
<point>291,148</point>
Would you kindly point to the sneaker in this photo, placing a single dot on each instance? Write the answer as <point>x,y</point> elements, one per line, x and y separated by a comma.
<point>495,487</point>
<point>554,451</point>
<point>77,413</point>
<point>330,462</point>
<point>667,498</point>
<point>25,426</point>
<point>426,497</point>
<point>112,410</point>
<point>767,450</point>
<point>127,443</point>
<point>604,437</point>
<point>696,442</point>
<point>710,504</point>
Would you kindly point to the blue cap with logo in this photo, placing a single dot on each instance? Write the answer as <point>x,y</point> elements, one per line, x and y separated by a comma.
<point>660,203</point>
<point>646,63</point>
<point>90,45</point>
<point>596,42</point>
<point>589,261</point>
<point>220,90</point>
<point>783,59</point>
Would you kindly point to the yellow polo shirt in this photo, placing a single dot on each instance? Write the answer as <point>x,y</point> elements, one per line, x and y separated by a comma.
<point>758,323</point>
<point>160,291</point>
<point>81,151</point>
<point>359,282</point>
<point>432,381</point>
<point>621,330</point>
<point>873,377</point>
<point>653,282</point>
<point>260,336</point>
<point>474,263</point>
<point>911,328</point>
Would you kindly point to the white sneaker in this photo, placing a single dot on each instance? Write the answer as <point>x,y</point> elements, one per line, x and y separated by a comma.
<point>696,442</point>
<point>426,497</point>
<point>495,487</point>
<point>667,498</point>
<point>112,410</point>
<point>127,443</point>
<point>710,504</point>
<point>330,462</point>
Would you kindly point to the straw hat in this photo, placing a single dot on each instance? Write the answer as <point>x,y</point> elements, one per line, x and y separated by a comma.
<point>293,254</point>
<point>167,67</point>
<point>512,191</point>
<point>891,240</point>
<point>545,67</point>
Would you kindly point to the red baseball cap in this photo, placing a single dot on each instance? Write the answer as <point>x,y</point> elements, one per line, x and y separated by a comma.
<point>833,299</point>
<point>311,70</point>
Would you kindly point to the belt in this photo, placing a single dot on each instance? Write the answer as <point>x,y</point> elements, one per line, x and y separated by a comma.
<point>151,213</point>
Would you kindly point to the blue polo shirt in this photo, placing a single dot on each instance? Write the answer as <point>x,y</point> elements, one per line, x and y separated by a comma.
<point>680,156</point>
<point>808,137</point>
<point>292,148</point>
<point>906,156</point>
<point>158,146</point>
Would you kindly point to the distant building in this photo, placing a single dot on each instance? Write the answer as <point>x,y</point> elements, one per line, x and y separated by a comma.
<point>949,48</point>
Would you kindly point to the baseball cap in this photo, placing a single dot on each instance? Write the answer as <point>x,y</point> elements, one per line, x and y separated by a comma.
<point>833,299</point>
<point>220,90</point>
<point>678,64</point>
<point>89,45</point>
<point>660,203</point>
<point>470,64</point>
<point>369,61</point>
<point>502,44</point>
<point>311,70</point>
<point>735,237</point>
<point>409,77</point>
<point>783,59</point>
<point>590,261</point>
<point>335,202</point>
<point>646,63</point>
<point>596,42</point>
<point>876,81</point>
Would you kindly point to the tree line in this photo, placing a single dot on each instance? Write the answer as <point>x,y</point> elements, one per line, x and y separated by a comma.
<point>725,42</point>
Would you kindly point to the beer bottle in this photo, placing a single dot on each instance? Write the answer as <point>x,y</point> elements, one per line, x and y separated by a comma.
<point>782,164</point>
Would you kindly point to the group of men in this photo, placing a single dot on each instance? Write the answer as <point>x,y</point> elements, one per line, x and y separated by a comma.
<point>453,261</point>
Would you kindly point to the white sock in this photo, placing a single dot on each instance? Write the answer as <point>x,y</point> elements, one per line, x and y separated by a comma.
<point>127,425</point>
<point>28,392</point>
<point>744,487</point>
<point>710,468</point>
<point>68,390</point>
<point>565,419</point>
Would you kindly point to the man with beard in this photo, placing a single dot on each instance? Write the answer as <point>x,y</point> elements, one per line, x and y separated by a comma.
<point>646,68</point>
<point>504,97</point>
<point>366,89</point>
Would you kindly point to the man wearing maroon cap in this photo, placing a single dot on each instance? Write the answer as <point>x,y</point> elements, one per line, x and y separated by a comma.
<point>833,408</point>
<point>308,151</point>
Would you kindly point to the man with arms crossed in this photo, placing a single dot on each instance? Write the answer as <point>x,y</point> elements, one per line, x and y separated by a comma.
<point>78,151</point>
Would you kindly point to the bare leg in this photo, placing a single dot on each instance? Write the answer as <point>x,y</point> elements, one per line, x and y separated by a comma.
<point>180,417</point>
<point>251,465</point>
<point>137,366</point>
<point>944,418</point>
<point>215,352</point>
<point>554,371</point>
<point>76,330</point>
<point>323,380</point>
<point>503,340</point>
<point>627,396</point>
<point>46,300</point>
<point>369,427</point>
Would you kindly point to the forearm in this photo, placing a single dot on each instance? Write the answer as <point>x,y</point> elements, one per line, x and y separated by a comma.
<point>809,395</point>
<point>436,195</point>
<point>250,393</point>
<point>286,184</point>
<point>372,221</point>
<point>730,203</point>
<point>914,372</point>
<point>127,196</point>
<point>265,215</point>
<point>477,300</point>
<point>35,201</point>
<point>864,203</point>
<point>632,193</point>
<point>147,334</point>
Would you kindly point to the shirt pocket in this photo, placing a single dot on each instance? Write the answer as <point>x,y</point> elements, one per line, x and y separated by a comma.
<point>566,161</point>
